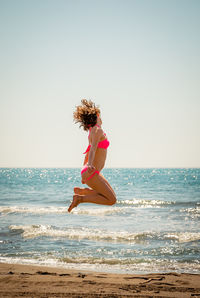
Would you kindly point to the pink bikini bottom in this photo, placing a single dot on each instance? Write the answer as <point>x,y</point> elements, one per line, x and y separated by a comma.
<point>84,169</point>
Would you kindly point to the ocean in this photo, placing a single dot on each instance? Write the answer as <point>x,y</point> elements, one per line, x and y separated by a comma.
<point>153,227</point>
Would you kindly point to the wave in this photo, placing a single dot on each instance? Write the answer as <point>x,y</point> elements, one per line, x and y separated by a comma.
<point>143,202</point>
<point>32,209</point>
<point>183,237</point>
<point>122,206</point>
<point>129,265</point>
<point>154,203</point>
<point>194,212</point>
<point>63,210</point>
<point>33,231</point>
<point>101,211</point>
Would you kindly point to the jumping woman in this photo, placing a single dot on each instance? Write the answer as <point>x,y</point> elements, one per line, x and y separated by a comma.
<point>99,191</point>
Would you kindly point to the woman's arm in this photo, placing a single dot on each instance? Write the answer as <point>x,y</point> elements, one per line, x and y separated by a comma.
<point>86,158</point>
<point>95,135</point>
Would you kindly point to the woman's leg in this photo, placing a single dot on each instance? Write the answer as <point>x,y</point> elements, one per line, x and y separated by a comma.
<point>104,195</point>
<point>108,184</point>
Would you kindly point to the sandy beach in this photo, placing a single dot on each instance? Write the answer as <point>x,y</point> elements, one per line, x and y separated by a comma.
<point>38,281</point>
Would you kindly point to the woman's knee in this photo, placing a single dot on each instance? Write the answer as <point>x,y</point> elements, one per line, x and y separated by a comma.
<point>102,187</point>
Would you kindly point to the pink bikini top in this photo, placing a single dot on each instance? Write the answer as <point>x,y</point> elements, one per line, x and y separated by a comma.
<point>102,144</point>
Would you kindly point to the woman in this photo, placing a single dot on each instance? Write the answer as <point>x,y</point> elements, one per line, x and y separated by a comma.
<point>99,191</point>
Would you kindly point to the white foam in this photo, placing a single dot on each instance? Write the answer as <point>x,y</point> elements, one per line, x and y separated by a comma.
<point>33,231</point>
<point>32,209</point>
<point>63,210</point>
<point>136,203</point>
<point>194,212</point>
<point>141,267</point>
<point>144,202</point>
<point>100,211</point>
<point>183,236</point>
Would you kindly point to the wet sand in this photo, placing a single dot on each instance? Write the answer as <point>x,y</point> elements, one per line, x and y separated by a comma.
<point>38,281</point>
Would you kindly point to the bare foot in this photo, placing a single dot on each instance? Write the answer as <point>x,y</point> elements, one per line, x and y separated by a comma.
<point>76,201</point>
<point>83,191</point>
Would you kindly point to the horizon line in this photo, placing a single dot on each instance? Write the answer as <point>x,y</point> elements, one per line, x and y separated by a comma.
<point>50,167</point>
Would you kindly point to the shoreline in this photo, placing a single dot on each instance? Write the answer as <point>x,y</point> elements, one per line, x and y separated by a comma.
<point>18,280</point>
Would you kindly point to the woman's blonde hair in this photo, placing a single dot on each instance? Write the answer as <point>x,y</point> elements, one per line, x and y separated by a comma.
<point>86,114</point>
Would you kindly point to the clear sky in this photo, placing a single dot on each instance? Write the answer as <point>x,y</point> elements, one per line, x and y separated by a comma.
<point>139,60</point>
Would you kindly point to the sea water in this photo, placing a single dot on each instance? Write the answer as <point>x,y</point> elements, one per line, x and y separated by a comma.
<point>153,227</point>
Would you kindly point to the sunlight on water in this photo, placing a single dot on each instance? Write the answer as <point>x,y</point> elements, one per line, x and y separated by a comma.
<point>154,225</point>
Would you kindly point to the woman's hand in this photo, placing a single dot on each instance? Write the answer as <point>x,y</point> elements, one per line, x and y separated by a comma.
<point>90,168</point>
<point>87,173</point>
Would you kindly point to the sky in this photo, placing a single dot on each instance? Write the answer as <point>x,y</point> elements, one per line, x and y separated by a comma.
<point>137,59</point>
